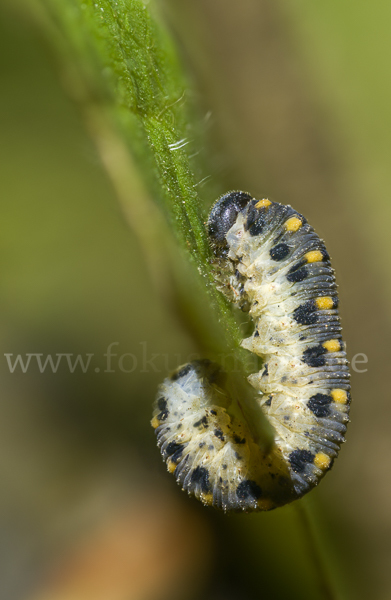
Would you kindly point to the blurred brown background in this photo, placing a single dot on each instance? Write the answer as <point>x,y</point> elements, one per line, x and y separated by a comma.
<point>296,98</point>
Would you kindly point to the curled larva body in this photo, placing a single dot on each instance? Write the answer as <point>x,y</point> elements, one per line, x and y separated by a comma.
<point>271,263</point>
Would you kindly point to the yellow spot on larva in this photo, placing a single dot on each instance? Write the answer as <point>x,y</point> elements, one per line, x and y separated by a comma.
<point>171,466</point>
<point>265,504</point>
<point>324,303</point>
<point>155,422</point>
<point>313,256</point>
<point>339,396</point>
<point>322,461</point>
<point>293,224</point>
<point>263,203</point>
<point>207,498</point>
<point>332,345</point>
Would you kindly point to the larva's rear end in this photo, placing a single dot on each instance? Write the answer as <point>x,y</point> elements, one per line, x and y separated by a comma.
<point>210,452</point>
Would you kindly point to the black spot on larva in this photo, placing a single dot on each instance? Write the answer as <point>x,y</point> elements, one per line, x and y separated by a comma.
<point>306,314</point>
<point>279,252</point>
<point>256,333</point>
<point>177,453</point>
<point>313,357</point>
<point>213,412</point>
<point>320,405</point>
<point>239,440</point>
<point>219,434</point>
<point>299,458</point>
<point>297,276</point>
<point>335,301</point>
<point>223,215</point>
<point>173,447</point>
<point>200,476</point>
<point>237,456</point>
<point>298,265</point>
<point>258,226</point>
<point>248,489</point>
<point>265,371</point>
<point>163,415</point>
<point>201,444</point>
<point>211,447</point>
<point>252,216</point>
<point>162,404</point>
<point>269,400</point>
<point>182,372</point>
<point>224,467</point>
<point>203,421</point>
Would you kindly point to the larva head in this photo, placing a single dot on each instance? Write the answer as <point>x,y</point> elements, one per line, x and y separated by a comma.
<point>223,216</point>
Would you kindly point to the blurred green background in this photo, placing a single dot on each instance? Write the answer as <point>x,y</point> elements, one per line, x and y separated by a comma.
<point>296,98</point>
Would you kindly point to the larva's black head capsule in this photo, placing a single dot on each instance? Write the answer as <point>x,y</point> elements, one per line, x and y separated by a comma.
<point>223,216</point>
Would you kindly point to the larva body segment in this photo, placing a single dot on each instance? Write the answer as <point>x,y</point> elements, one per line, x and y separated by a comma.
<point>271,263</point>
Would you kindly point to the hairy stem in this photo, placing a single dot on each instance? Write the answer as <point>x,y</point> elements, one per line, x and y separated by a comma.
<point>120,65</point>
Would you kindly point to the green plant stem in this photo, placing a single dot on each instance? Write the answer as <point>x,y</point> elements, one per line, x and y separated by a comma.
<point>147,224</point>
<point>119,64</point>
<point>325,585</point>
<point>137,107</point>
